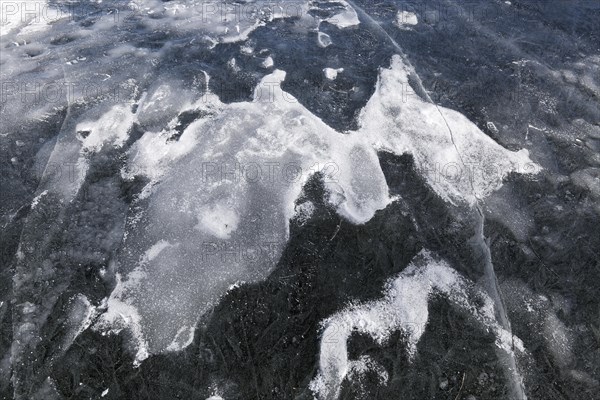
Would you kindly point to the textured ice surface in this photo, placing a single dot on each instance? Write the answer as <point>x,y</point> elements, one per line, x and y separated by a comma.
<point>136,53</point>
<point>27,16</point>
<point>222,195</point>
<point>404,306</point>
<point>459,161</point>
<point>337,12</point>
<point>541,314</point>
<point>221,21</point>
<point>344,18</point>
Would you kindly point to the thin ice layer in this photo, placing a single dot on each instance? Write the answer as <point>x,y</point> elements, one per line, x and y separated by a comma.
<point>404,306</point>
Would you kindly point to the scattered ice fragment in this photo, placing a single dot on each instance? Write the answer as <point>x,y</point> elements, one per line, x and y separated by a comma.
<point>346,17</point>
<point>155,250</point>
<point>331,73</point>
<point>323,39</point>
<point>406,19</point>
<point>235,285</point>
<point>443,384</point>
<point>232,64</point>
<point>268,62</point>
<point>247,49</point>
<point>492,127</point>
<point>183,338</point>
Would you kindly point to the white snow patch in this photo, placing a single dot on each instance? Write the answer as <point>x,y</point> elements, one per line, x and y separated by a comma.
<point>218,220</point>
<point>112,127</point>
<point>37,198</point>
<point>82,314</point>
<point>358,368</point>
<point>120,314</point>
<point>404,306</point>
